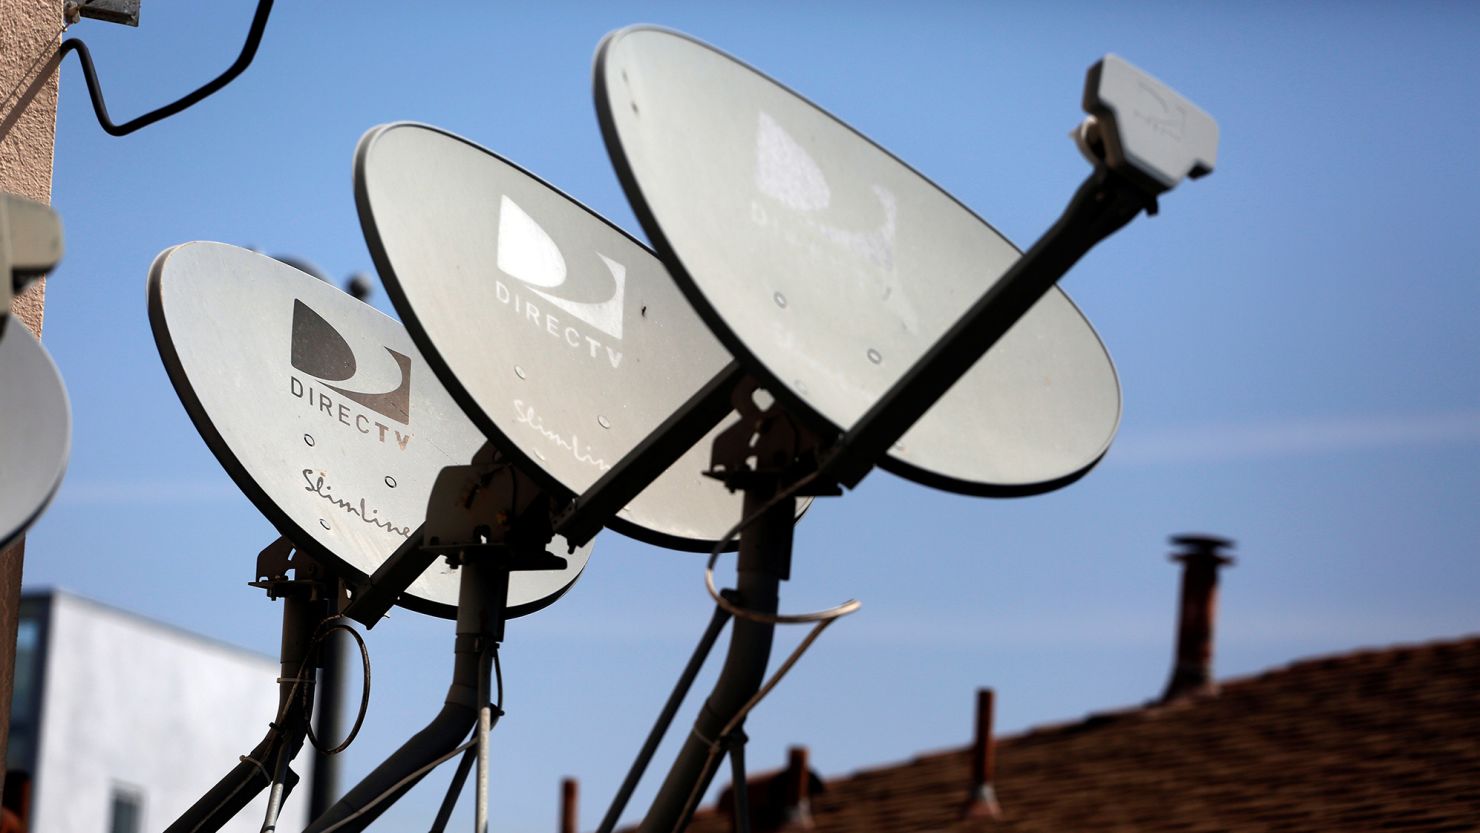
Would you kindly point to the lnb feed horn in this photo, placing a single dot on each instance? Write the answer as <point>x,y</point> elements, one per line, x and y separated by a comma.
<point>1143,129</point>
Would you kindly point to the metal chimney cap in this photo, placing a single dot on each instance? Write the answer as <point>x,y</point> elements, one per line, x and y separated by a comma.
<point>1202,546</point>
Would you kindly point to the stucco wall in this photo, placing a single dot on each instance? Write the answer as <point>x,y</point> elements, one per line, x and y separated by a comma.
<point>29,33</point>
<point>129,703</point>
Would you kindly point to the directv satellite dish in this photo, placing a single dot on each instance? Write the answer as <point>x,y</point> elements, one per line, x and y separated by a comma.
<point>829,267</point>
<point>37,429</point>
<point>561,336</point>
<point>866,300</point>
<point>322,410</point>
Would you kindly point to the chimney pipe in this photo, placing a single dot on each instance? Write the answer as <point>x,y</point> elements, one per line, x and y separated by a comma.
<point>798,812</point>
<point>982,801</point>
<point>569,807</point>
<point>1192,674</point>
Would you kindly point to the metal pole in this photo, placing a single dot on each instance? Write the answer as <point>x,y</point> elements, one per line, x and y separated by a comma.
<point>324,783</point>
<point>765,561</point>
<point>569,806</point>
<point>485,724</point>
<point>446,731</point>
<point>301,616</point>
<point>277,792</point>
<point>740,784</point>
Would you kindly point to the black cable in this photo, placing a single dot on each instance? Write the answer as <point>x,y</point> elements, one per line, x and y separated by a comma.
<point>498,675</point>
<point>330,625</point>
<point>95,90</point>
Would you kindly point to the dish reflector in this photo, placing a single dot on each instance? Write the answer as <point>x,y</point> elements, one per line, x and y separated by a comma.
<point>562,337</point>
<point>828,267</point>
<point>35,428</point>
<point>322,410</point>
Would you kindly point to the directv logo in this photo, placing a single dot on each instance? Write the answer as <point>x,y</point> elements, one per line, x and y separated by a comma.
<point>787,173</point>
<point>798,205</point>
<point>593,294</point>
<point>1165,118</point>
<point>321,352</point>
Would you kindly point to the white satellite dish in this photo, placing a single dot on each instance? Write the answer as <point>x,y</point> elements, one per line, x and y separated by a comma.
<point>322,410</point>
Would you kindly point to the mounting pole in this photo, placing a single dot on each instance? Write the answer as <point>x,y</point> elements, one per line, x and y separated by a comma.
<point>377,791</point>
<point>765,561</point>
<point>305,606</point>
<point>324,783</point>
<point>489,521</point>
<point>762,453</point>
<point>482,599</point>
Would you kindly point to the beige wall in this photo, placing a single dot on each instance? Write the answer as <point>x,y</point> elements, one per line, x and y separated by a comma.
<point>29,33</point>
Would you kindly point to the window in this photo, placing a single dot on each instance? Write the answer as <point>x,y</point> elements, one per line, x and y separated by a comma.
<point>25,700</point>
<point>127,813</point>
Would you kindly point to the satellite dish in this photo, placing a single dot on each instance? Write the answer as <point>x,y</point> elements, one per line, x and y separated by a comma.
<point>322,410</point>
<point>828,267</point>
<point>561,336</point>
<point>38,429</point>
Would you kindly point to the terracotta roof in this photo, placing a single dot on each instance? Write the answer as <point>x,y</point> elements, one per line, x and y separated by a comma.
<point>1379,740</point>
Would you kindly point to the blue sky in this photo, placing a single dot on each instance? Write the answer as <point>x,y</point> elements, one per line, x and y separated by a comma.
<point>1295,336</point>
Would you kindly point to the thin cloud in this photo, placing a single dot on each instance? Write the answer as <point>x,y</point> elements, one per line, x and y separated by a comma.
<point>1246,441</point>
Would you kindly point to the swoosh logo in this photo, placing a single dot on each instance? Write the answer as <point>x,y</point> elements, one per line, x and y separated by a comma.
<point>594,291</point>
<point>1155,111</point>
<point>321,351</point>
<point>787,173</point>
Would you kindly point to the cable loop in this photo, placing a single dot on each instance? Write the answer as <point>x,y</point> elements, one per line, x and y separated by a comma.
<point>306,684</point>
<point>338,625</point>
<point>740,612</point>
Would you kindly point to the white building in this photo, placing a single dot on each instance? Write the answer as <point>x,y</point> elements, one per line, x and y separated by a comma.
<point>124,722</point>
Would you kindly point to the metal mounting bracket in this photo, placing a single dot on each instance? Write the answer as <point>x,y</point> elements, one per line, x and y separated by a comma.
<point>309,576</point>
<point>488,501</point>
<point>765,444</point>
<point>125,12</point>
<point>491,513</point>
